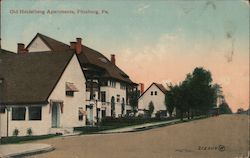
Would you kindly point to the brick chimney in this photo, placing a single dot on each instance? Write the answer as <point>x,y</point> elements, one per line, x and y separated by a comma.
<point>141,87</point>
<point>21,48</point>
<point>112,59</point>
<point>72,45</point>
<point>78,45</point>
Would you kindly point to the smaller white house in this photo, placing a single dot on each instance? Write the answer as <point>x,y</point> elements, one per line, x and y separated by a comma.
<point>155,93</point>
<point>42,92</point>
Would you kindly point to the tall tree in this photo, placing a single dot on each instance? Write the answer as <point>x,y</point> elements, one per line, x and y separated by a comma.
<point>195,95</point>
<point>133,101</point>
<point>202,93</point>
<point>169,100</point>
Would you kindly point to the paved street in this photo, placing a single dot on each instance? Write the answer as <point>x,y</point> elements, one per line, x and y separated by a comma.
<point>225,136</point>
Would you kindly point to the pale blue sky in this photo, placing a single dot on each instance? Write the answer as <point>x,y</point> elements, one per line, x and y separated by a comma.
<point>154,41</point>
<point>129,23</point>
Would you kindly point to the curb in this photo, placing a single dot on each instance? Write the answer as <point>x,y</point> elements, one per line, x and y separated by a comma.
<point>143,128</point>
<point>29,152</point>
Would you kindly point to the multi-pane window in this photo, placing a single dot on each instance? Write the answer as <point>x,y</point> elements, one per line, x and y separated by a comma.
<point>155,92</point>
<point>18,113</point>
<point>103,96</point>
<point>70,88</point>
<point>112,83</point>
<point>70,93</point>
<point>152,93</point>
<point>123,86</point>
<point>35,113</point>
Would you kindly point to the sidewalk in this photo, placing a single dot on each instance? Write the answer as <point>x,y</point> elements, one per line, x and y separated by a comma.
<point>138,127</point>
<point>20,150</point>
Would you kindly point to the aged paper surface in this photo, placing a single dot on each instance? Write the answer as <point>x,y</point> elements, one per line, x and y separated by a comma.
<point>152,44</point>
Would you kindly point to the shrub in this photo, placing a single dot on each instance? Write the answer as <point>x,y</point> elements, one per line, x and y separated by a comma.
<point>15,132</point>
<point>29,132</point>
<point>151,108</point>
<point>161,114</point>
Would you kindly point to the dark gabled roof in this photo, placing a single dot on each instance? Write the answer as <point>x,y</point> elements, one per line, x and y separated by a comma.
<point>158,85</point>
<point>88,58</point>
<point>4,52</point>
<point>93,57</point>
<point>53,44</point>
<point>161,87</point>
<point>30,78</point>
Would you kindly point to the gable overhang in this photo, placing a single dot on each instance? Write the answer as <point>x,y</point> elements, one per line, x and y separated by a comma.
<point>149,88</point>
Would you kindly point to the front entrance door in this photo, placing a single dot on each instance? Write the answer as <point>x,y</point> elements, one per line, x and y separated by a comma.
<point>55,115</point>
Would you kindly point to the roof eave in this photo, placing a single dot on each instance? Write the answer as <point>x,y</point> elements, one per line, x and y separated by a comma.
<point>23,103</point>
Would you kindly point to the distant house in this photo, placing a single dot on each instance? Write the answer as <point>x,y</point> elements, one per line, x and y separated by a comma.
<point>44,92</point>
<point>155,93</point>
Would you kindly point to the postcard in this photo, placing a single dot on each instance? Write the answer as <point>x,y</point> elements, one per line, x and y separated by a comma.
<point>90,79</point>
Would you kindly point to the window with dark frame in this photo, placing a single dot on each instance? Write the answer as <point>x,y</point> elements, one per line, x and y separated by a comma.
<point>155,92</point>
<point>103,96</point>
<point>35,113</point>
<point>122,86</point>
<point>18,113</point>
<point>70,93</point>
<point>152,93</point>
<point>70,89</point>
<point>113,83</point>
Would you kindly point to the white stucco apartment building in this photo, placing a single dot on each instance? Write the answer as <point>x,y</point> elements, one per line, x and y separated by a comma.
<point>107,86</point>
<point>54,87</point>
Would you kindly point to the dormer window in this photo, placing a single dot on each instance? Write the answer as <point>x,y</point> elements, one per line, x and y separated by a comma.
<point>70,89</point>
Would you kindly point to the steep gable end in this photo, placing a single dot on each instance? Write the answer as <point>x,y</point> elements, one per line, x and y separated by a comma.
<point>159,86</point>
<point>38,45</point>
<point>44,43</point>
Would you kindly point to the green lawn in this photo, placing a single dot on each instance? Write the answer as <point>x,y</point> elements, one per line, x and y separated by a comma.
<point>116,124</point>
<point>22,139</point>
<point>112,125</point>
